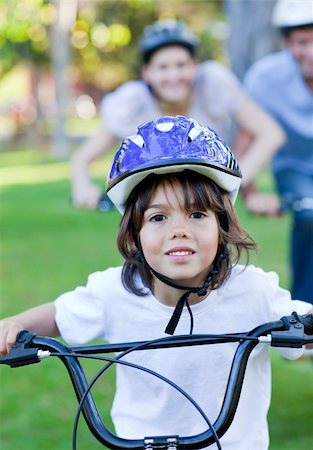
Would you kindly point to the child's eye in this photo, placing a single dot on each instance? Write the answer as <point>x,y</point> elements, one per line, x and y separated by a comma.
<point>157,218</point>
<point>197,215</point>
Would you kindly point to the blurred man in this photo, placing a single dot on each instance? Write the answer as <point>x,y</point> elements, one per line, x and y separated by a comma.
<point>282,83</point>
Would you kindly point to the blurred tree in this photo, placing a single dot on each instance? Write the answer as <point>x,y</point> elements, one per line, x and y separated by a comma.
<point>24,32</point>
<point>252,35</point>
<point>60,54</point>
<point>104,35</point>
<point>100,48</point>
<point>25,39</point>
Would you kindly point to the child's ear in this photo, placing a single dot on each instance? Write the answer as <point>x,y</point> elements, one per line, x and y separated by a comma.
<point>132,245</point>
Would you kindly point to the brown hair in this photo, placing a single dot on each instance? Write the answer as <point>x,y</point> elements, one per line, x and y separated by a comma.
<point>204,194</point>
<point>286,31</point>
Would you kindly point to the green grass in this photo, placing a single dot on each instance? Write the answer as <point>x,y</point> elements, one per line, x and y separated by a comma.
<point>291,412</point>
<point>47,248</point>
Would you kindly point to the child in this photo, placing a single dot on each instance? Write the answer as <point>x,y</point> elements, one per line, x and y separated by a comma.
<point>174,182</point>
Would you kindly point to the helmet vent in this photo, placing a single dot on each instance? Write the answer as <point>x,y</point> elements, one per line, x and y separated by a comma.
<point>193,133</point>
<point>165,126</point>
<point>138,140</point>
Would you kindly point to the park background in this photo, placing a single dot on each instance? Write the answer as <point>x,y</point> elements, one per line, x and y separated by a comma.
<point>57,60</point>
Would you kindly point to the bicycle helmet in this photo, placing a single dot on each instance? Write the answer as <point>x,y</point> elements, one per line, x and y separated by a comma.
<point>166,32</point>
<point>292,13</point>
<point>171,144</point>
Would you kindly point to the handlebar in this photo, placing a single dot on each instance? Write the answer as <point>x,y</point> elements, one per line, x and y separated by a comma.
<point>290,331</point>
<point>293,203</point>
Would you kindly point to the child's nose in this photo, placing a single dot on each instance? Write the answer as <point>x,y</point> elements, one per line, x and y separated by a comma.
<point>179,234</point>
<point>179,230</point>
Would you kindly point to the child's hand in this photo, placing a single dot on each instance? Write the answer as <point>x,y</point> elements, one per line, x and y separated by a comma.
<point>8,332</point>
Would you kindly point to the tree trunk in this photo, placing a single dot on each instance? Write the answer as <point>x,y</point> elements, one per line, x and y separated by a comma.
<point>252,35</point>
<point>60,61</point>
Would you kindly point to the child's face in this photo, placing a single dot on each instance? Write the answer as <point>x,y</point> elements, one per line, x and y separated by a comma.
<point>177,243</point>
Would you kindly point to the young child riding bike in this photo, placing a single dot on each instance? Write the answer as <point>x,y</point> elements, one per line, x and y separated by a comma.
<point>175,183</point>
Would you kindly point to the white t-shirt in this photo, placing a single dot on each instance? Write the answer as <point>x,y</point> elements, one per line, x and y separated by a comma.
<point>145,406</point>
<point>216,96</point>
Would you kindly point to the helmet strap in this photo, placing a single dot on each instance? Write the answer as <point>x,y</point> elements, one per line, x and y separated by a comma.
<point>201,291</point>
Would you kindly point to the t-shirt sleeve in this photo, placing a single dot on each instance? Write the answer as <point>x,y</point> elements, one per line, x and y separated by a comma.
<point>81,313</point>
<point>220,88</point>
<point>281,301</point>
<point>283,305</point>
<point>263,300</point>
<point>125,108</point>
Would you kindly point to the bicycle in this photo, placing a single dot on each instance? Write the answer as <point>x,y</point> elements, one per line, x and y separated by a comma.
<point>292,331</point>
<point>295,204</point>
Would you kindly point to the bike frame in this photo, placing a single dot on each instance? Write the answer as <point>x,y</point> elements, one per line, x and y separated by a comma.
<point>290,331</point>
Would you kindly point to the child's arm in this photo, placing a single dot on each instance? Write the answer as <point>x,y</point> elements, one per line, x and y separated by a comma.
<point>39,320</point>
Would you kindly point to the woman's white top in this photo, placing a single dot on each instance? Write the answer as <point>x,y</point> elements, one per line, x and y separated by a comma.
<point>216,95</point>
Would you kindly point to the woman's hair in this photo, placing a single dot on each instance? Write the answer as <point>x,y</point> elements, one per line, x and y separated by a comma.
<point>148,55</point>
<point>199,192</point>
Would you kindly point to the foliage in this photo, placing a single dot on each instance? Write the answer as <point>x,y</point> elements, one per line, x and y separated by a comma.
<point>24,31</point>
<point>103,34</point>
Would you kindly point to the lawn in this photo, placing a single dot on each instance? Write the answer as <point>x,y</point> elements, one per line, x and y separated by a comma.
<point>47,248</point>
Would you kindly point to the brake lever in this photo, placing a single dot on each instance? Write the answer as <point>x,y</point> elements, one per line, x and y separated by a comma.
<point>294,335</point>
<point>22,352</point>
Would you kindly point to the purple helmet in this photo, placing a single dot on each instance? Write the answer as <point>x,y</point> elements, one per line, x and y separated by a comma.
<point>171,144</point>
